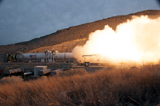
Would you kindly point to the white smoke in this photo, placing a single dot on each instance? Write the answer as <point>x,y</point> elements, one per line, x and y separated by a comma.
<point>136,40</point>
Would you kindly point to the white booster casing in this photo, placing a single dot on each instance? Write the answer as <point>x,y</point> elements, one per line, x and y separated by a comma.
<point>48,56</point>
<point>63,56</point>
<point>30,56</point>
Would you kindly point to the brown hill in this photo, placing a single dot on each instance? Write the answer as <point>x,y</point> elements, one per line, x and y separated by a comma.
<point>66,39</point>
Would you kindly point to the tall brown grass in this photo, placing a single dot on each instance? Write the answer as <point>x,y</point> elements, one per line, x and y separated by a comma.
<point>114,87</point>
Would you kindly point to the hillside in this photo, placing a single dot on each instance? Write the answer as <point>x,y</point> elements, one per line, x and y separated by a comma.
<point>76,35</point>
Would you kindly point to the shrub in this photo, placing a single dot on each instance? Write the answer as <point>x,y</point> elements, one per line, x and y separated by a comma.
<point>71,72</point>
<point>115,87</point>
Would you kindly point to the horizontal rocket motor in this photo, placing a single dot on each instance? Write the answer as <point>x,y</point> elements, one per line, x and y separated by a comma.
<point>43,56</point>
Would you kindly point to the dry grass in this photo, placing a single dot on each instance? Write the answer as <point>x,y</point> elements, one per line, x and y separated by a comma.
<point>62,47</point>
<point>72,72</point>
<point>116,87</point>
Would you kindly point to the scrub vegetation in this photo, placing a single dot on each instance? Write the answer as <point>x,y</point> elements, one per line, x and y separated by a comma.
<point>113,87</point>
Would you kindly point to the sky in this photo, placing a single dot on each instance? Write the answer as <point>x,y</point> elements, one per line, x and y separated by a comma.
<point>24,20</point>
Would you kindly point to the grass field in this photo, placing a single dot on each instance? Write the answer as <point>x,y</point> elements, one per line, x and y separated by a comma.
<point>114,87</point>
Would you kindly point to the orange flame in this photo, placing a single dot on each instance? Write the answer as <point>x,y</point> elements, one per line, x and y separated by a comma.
<point>136,40</point>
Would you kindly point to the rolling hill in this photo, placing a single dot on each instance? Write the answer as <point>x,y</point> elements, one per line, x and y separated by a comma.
<point>65,40</point>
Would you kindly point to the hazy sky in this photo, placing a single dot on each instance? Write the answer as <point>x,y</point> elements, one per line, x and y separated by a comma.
<point>23,20</point>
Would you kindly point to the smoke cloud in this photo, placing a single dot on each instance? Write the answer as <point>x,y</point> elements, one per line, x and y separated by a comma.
<point>137,40</point>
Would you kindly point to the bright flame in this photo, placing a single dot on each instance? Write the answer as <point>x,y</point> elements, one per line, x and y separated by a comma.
<point>136,40</point>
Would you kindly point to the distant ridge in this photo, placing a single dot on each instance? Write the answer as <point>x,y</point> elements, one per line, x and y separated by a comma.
<point>73,33</point>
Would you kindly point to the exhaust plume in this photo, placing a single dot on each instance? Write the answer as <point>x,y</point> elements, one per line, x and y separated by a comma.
<point>137,40</point>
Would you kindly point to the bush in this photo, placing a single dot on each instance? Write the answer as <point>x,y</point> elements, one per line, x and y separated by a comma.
<point>71,72</point>
<point>115,87</point>
<point>11,80</point>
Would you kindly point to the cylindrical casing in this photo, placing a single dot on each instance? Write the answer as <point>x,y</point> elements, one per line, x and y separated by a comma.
<point>50,56</point>
<point>30,56</point>
<point>63,56</point>
<point>40,56</point>
<point>43,56</point>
